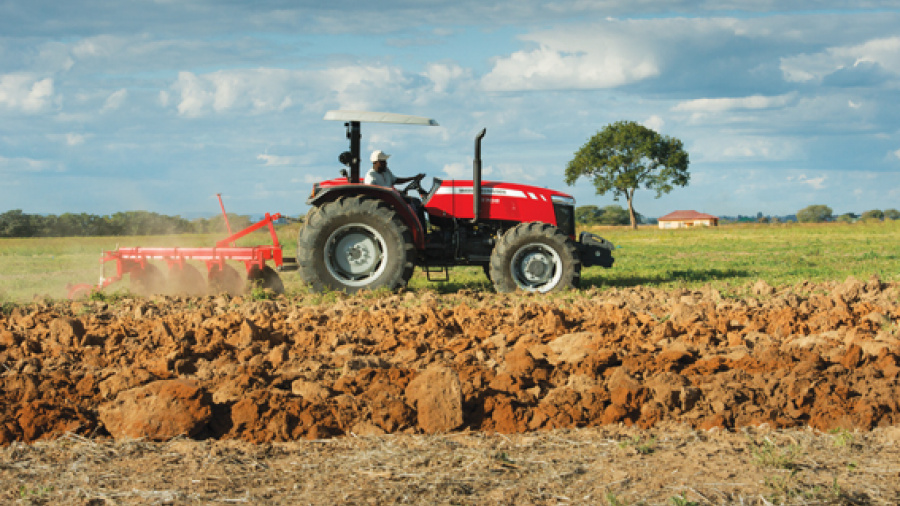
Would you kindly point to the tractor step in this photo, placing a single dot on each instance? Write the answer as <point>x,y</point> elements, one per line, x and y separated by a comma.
<point>431,269</point>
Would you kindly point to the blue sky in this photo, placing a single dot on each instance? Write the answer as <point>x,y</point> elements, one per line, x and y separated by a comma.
<point>111,105</point>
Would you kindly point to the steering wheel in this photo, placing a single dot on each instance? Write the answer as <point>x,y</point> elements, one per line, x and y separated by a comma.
<point>415,184</point>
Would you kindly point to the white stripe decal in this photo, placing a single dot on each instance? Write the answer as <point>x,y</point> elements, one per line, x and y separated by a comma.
<point>486,192</point>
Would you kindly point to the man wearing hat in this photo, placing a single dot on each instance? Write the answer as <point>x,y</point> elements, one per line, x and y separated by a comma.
<point>381,175</point>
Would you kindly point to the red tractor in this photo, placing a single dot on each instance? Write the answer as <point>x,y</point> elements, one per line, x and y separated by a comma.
<point>360,236</point>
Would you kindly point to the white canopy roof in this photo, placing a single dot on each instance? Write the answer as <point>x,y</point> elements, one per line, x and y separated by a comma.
<point>379,117</point>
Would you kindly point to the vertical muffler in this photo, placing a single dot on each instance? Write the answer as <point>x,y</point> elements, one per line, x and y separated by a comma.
<point>476,177</point>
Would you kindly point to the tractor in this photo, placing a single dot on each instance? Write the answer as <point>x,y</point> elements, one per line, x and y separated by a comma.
<point>358,236</point>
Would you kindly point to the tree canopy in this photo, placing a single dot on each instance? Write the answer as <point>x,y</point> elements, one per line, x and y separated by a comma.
<point>816,213</point>
<point>16,223</point>
<point>873,214</point>
<point>626,156</point>
<point>608,215</point>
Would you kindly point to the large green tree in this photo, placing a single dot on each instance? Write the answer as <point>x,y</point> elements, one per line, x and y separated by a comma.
<point>816,213</point>
<point>626,156</point>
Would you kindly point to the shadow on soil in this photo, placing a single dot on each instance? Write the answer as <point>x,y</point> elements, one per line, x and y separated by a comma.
<point>599,278</point>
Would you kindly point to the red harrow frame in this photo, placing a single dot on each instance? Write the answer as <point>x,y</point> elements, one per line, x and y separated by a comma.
<point>184,278</point>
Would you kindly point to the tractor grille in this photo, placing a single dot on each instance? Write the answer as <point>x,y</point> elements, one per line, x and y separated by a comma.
<point>565,218</point>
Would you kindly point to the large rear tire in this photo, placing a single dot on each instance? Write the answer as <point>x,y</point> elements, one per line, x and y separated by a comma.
<point>535,257</point>
<point>355,243</point>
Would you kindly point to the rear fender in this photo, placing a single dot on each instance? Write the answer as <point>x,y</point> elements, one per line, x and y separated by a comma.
<point>389,195</point>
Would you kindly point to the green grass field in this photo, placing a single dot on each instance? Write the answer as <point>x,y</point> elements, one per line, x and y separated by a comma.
<point>728,258</point>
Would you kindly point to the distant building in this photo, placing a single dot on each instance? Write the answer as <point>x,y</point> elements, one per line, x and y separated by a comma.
<point>684,219</point>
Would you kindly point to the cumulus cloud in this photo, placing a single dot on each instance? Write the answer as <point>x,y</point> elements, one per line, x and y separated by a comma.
<point>654,122</point>
<point>873,56</point>
<point>115,100</point>
<point>457,171</point>
<point>74,139</point>
<point>26,92</point>
<point>711,105</point>
<point>19,165</point>
<point>816,183</point>
<point>277,161</point>
<point>445,75</point>
<point>569,68</point>
<point>271,90</point>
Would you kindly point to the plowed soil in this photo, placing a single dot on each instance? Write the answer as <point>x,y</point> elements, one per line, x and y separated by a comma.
<point>787,394</point>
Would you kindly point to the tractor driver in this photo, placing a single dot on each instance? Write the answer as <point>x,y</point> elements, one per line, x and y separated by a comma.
<point>381,175</point>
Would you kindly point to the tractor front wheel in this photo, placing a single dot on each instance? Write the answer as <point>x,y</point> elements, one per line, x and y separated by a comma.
<point>355,243</point>
<point>534,257</point>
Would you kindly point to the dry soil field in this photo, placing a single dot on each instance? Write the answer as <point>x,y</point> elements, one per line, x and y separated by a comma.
<point>619,396</point>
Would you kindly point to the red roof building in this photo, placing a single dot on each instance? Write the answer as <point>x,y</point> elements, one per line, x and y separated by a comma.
<point>683,219</point>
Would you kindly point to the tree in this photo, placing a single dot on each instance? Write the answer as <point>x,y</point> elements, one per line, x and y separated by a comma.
<point>891,214</point>
<point>874,214</point>
<point>587,215</point>
<point>615,215</point>
<point>814,214</point>
<point>626,156</point>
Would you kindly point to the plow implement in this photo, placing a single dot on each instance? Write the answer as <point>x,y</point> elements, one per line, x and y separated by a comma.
<point>185,278</point>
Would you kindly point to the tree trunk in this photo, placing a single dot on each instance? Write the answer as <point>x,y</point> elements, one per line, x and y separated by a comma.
<point>631,211</point>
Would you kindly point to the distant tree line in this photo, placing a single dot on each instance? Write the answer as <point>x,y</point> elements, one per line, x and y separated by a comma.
<point>18,224</point>
<point>820,213</point>
<point>608,215</point>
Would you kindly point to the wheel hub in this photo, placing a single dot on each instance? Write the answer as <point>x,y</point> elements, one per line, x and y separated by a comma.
<point>536,267</point>
<point>354,253</point>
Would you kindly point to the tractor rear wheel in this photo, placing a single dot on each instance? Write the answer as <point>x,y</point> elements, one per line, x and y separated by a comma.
<point>355,243</point>
<point>535,257</point>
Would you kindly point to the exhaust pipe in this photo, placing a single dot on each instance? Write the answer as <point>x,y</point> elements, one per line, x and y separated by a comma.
<point>476,177</point>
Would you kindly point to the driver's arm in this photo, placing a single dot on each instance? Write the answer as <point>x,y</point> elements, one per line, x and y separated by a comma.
<point>401,180</point>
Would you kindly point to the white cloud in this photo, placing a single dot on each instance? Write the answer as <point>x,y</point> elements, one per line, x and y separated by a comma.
<point>816,183</point>
<point>569,68</point>
<point>74,139</point>
<point>896,154</point>
<point>277,161</point>
<point>654,122</point>
<point>115,100</point>
<point>457,171</point>
<point>26,92</point>
<point>444,75</point>
<point>272,90</point>
<point>714,105</point>
<point>724,147</point>
<point>816,66</point>
<point>15,166</point>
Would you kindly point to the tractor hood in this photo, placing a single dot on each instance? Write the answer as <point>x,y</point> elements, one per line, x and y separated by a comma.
<point>499,201</point>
